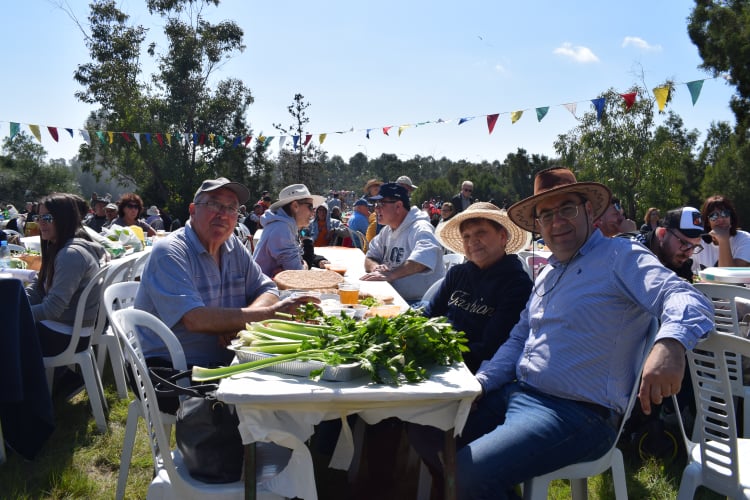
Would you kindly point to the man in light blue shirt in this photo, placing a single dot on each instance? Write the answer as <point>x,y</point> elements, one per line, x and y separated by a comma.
<point>202,282</point>
<point>555,392</point>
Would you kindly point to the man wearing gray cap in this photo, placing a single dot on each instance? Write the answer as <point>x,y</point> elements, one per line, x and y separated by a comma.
<point>202,282</point>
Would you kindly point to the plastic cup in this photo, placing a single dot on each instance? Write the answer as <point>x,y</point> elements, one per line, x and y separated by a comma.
<point>349,293</point>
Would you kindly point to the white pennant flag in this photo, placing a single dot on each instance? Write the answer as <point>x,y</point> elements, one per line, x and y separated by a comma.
<point>282,140</point>
<point>86,136</point>
<point>137,139</point>
<point>571,107</point>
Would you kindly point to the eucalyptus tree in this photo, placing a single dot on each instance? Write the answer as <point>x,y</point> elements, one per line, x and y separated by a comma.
<point>188,120</point>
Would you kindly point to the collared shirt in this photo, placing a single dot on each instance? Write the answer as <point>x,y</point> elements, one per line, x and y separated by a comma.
<point>586,320</point>
<point>181,276</point>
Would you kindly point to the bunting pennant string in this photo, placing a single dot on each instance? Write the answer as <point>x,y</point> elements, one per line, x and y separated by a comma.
<point>212,139</point>
<point>491,120</point>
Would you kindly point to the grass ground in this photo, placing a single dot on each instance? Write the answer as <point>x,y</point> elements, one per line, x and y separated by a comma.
<point>79,463</point>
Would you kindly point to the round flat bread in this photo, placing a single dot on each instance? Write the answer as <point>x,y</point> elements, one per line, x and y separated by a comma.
<point>307,280</point>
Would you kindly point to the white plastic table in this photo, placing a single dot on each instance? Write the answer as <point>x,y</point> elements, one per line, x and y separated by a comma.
<point>735,275</point>
<point>284,409</point>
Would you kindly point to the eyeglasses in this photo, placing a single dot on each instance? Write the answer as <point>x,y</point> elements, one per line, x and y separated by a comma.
<point>719,213</point>
<point>46,218</point>
<point>686,246</point>
<point>218,208</point>
<point>133,205</point>
<point>468,190</point>
<point>568,211</point>
<point>379,204</point>
<point>309,205</point>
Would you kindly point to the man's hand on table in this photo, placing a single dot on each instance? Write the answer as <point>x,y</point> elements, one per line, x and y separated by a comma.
<point>662,373</point>
<point>290,304</point>
<point>379,272</point>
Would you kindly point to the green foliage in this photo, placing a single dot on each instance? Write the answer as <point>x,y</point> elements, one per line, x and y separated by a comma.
<point>26,176</point>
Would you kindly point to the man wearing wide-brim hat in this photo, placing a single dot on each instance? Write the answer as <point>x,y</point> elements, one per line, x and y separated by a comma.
<point>561,382</point>
<point>484,296</point>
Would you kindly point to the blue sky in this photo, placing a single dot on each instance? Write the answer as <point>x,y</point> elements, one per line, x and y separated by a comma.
<point>367,65</point>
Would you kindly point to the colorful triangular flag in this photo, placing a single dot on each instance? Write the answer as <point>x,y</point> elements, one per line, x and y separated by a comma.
<point>14,129</point>
<point>35,130</point>
<point>515,116</point>
<point>541,112</point>
<point>661,94</point>
<point>599,106</point>
<point>571,106</point>
<point>695,89</point>
<point>629,99</point>
<point>491,121</point>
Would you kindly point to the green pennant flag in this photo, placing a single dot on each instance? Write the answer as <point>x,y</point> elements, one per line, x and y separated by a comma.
<point>100,134</point>
<point>695,89</point>
<point>14,129</point>
<point>541,113</point>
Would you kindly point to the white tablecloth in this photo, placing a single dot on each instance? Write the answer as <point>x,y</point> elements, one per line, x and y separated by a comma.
<point>283,409</point>
<point>736,275</point>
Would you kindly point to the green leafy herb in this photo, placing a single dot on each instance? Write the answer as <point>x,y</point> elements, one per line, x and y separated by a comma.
<point>393,350</point>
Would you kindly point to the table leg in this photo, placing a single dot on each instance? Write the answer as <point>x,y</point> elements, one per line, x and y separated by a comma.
<point>449,464</point>
<point>250,480</point>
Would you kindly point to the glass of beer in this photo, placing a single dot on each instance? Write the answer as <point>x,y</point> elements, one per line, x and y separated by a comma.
<point>349,293</point>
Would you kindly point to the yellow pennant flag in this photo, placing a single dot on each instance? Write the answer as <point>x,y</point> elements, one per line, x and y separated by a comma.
<point>515,116</point>
<point>111,136</point>
<point>322,138</point>
<point>169,139</point>
<point>661,94</point>
<point>211,137</point>
<point>35,130</point>
<point>402,128</point>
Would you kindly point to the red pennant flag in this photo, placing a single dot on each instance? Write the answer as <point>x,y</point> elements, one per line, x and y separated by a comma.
<point>248,139</point>
<point>386,129</point>
<point>53,133</point>
<point>201,139</point>
<point>629,99</point>
<point>491,120</point>
<point>159,139</point>
<point>126,136</point>
<point>307,139</point>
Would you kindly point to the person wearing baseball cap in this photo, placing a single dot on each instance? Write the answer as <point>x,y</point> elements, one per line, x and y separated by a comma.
<point>405,252</point>
<point>676,240</point>
<point>406,183</point>
<point>202,282</point>
<point>359,221</point>
<point>567,370</point>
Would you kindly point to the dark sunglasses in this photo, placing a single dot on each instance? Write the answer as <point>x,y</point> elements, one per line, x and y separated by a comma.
<point>47,218</point>
<point>133,205</point>
<point>719,213</point>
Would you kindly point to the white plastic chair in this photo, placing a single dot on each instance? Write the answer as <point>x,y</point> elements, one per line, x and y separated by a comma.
<point>432,290</point>
<point>84,359</point>
<point>536,488</point>
<point>727,320</point>
<point>103,340</point>
<point>120,297</point>
<point>718,459</point>
<point>139,265</point>
<point>172,479</point>
<point>451,259</point>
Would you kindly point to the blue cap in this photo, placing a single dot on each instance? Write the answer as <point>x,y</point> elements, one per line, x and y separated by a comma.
<point>361,202</point>
<point>395,191</point>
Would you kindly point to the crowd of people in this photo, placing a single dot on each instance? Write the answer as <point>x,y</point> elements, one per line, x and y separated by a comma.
<point>553,356</point>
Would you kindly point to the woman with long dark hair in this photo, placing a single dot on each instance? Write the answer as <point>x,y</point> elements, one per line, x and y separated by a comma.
<point>725,245</point>
<point>70,259</point>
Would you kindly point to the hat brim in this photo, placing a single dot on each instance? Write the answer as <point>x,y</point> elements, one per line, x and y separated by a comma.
<point>522,213</point>
<point>317,200</point>
<point>449,234</point>
<point>242,193</point>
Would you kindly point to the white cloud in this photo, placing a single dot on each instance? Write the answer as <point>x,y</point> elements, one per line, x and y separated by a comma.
<point>499,68</point>
<point>578,53</point>
<point>639,43</point>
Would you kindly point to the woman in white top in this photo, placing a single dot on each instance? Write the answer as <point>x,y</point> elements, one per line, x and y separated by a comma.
<point>727,246</point>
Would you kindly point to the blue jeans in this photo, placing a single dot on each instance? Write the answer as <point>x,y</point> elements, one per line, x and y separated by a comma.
<point>517,433</point>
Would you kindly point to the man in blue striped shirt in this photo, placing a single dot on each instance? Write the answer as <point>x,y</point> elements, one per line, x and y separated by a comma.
<point>555,393</point>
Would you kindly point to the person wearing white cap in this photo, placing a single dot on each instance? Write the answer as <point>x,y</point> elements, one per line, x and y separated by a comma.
<point>202,282</point>
<point>154,218</point>
<point>676,240</point>
<point>560,384</point>
<point>279,248</point>
<point>405,182</point>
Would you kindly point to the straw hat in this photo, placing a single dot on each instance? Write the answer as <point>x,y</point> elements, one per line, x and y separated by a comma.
<point>296,192</point>
<point>449,234</point>
<point>552,182</point>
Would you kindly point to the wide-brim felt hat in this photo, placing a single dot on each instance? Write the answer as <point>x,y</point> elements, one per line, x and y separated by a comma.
<point>296,192</point>
<point>449,234</point>
<point>552,182</point>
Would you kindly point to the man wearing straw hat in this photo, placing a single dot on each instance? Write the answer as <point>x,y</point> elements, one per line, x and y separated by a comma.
<point>556,391</point>
<point>484,296</point>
